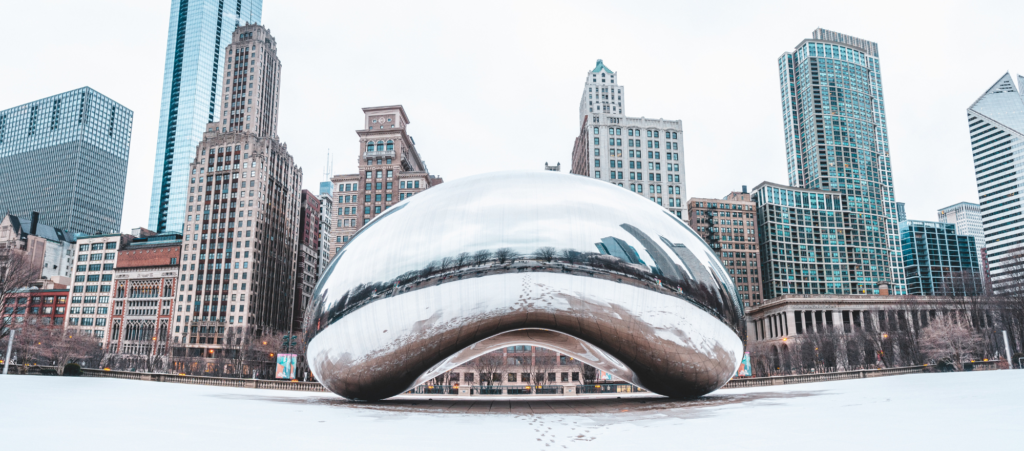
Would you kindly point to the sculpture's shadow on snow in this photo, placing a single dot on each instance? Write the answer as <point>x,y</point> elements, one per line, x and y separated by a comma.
<point>628,405</point>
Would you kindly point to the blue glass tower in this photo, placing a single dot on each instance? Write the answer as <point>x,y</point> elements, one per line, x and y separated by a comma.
<point>66,157</point>
<point>837,140</point>
<point>940,262</point>
<point>198,33</point>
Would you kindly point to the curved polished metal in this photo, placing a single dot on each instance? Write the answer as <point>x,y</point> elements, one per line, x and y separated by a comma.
<point>565,262</point>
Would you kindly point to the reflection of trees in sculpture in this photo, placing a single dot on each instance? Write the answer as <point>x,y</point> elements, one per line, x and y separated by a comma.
<point>462,260</point>
<point>546,253</point>
<point>697,292</point>
<point>571,257</point>
<point>506,254</point>
<point>481,257</point>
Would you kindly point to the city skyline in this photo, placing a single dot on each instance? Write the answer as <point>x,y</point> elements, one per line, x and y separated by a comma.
<point>922,126</point>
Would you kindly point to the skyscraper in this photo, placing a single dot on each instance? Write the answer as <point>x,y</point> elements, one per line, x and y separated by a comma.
<point>940,261</point>
<point>390,170</point>
<point>636,153</point>
<point>967,218</point>
<point>66,157</point>
<point>197,35</point>
<point>241,239</point>
<point>996,122</point>
<point>836,140</point>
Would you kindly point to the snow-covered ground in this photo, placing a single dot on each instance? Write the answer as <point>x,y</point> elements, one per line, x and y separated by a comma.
<point>935,411</point>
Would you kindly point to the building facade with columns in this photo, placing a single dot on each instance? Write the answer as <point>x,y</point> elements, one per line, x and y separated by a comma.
<point>390,170</point>
<point>782,319</point>
<point>640,154</point>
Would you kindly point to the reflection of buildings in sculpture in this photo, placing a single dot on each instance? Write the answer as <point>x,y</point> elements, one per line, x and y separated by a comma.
<point>618,248</point>
<point>694,268</point>
<point>663,264</point>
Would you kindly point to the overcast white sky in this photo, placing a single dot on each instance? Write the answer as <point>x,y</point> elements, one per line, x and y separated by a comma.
<point>496,85</point>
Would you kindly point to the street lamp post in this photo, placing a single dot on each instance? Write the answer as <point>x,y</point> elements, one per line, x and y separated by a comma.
<point>10,341</point>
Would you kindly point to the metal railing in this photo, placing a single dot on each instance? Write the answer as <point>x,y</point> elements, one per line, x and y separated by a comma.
<point>499,389</point>
<point>844,375</point>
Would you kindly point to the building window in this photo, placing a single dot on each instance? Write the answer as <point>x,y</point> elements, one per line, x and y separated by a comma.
<point>391,145</point>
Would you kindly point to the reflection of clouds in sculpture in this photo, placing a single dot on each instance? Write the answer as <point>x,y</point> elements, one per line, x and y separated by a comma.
<point>484,256</point>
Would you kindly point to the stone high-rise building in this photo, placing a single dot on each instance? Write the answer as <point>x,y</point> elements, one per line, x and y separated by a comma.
<point>242,212</point>
<point>66,157</point>
<point>729,226</point>
<point>326,223</point>
<point>636,153</point>
<point>308,264</point>
<point>837,140</point>
<point>390,169</point>
<point>194,66</point>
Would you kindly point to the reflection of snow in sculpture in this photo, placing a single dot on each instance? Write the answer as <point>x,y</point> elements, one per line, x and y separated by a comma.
<point>520,258</point>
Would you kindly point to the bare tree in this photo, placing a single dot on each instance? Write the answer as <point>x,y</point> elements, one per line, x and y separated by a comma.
<point>543,363</point>
<point>506,254</point>
<point>588,374</point>
<point>490,366</point>
<point>546,253</point>
<point>462,260</point>
<point>61,346</point>
<point>15,273</point>
<point>571,257</point>
<point>447,263</point>
<point>481,257</point>
<point>949,340</point>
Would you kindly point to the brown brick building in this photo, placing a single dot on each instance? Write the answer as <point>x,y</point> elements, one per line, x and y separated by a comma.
<point>145,285</point>
<point>390,169</point>
<point>42,302</point>
<point>729,226</point>
<point>309,260</point>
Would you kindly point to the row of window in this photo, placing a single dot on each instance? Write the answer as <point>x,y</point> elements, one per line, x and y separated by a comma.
<point>97,257</point>
<point>650,143</point>
<point>89,322</point>
<point>97,246</point>
<point>632,132</point>
<point>95,267</point>
<point>638,176</point>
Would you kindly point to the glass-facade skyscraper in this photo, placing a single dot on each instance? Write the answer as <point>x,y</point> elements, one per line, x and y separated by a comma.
<point>996,122</point>
<point>66,157</point>
<point>939,261</point>
<point>198,33</point>
<point>837,140</point>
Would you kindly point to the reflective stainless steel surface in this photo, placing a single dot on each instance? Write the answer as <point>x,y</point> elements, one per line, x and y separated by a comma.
<point>560,261</point>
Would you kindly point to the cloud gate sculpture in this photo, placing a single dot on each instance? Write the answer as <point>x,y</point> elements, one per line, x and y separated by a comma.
<point>560,261</point>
